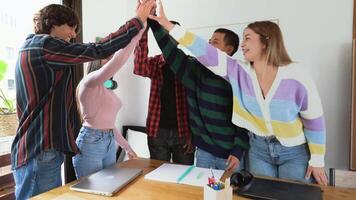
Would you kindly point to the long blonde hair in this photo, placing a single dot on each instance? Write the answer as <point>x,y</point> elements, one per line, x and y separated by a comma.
<point>271,37</point>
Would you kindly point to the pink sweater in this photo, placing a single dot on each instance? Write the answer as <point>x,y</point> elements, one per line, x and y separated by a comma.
<point>98,105</point>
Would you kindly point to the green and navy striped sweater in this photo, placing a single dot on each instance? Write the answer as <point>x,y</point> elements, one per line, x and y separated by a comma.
<point>209,101</point>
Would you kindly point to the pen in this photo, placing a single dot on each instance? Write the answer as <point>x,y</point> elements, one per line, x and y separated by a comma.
<point>212,173</point>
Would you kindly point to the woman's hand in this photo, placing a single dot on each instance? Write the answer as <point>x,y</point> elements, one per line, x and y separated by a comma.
<point>161,17</point>
<point>132,155</point>
<point>318,173</point>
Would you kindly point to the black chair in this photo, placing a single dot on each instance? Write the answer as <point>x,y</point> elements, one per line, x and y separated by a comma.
<point>125,128</point>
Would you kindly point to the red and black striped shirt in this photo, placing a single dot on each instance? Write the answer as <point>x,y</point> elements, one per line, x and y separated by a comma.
<point>45,89</point>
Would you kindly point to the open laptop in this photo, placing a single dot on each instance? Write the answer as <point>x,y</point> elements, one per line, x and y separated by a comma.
<point>107,181</point>
<point>272,189</point>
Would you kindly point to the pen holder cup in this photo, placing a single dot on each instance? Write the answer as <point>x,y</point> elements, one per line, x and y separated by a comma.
<point>220,194</point>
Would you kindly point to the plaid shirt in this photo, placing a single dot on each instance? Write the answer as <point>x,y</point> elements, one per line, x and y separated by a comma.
<point>152,67</point>
<point>45,90</point>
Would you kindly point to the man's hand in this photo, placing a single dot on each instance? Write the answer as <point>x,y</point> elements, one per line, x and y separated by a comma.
<point>232,163</point>
<point>318,173</point>
<point>161,17</point>
<point>188,147</point>
<point>144,8</point>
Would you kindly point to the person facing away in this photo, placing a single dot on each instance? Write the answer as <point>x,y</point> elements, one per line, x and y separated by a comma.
<point>273,98</point>
<point>98,107</point>
<point>167,125</point>
<point>220,144</point>
<point>45,93</point>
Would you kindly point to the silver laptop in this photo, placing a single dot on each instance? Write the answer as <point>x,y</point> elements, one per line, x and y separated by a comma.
<point>107,181</point>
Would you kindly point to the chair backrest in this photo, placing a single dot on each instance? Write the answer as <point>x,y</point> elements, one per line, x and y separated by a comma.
<point>126,130</point>
<point>7,184</point>
<point>342,178</point>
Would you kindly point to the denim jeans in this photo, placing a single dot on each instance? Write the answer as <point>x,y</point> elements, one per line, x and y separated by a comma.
<point>267,157</point>
<point>39,175</point>
<point>97,151</point>
<point>208,160</point>
<point>168,146</point>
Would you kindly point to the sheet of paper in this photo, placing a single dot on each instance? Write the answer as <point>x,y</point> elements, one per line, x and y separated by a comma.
<point>172,172</point>
<point>167,173</point>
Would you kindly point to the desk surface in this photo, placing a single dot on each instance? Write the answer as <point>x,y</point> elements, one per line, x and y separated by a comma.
<point>142,189</point>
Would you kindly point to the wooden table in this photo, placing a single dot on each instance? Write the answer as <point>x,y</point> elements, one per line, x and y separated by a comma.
<point>141,189</point>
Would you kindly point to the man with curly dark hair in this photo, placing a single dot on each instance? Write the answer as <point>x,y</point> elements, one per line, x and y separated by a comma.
<point>44,93</point>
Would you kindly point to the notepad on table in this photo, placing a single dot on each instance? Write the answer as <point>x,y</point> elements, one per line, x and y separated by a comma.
<point>184,174</point>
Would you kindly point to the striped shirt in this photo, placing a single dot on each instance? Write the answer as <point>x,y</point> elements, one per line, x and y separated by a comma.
<point>45,90</point>
<point>291,111</point>
<point>209,101</point>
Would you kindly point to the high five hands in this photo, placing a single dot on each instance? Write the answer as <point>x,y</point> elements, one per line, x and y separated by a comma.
<point>144,8</point>
<point>161,17</point>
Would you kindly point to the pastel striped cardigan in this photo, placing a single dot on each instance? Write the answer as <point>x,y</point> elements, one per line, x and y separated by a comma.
<point>291,111</point>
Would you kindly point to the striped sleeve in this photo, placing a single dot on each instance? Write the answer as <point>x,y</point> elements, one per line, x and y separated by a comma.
<point>314,124</point>
<point>181,64</point>
<point>212,58</point>
<point>60,53</point>
<point>113,65</point>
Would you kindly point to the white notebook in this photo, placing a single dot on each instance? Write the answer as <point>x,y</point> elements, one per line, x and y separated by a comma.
<point>184,174</point>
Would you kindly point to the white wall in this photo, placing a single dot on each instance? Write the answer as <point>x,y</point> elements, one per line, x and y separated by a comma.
<point>317,34</point>
<point>99,19</point>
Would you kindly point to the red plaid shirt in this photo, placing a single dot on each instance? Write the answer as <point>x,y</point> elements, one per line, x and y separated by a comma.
<point>151,67</point>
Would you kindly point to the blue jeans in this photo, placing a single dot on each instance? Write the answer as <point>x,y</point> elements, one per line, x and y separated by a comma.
<point>267,157</point>
<point>97,151</point>
<point>208,160</point>
<point>39,175</point>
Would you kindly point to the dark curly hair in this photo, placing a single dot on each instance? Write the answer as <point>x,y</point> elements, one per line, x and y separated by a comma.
<point>54,14</point>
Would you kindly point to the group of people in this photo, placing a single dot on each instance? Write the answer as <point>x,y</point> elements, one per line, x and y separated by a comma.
<point>263,113</point>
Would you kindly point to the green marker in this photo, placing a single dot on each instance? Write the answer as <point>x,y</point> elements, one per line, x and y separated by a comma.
<point>185,173</point>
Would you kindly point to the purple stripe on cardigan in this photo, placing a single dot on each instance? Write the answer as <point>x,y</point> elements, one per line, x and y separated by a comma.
<point>292,90</point>
<point>210,58</point>
<point>240,76</point>
<point>317,124</point>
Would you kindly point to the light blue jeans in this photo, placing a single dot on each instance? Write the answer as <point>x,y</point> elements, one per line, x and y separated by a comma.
<point>208,160</point>
<point>39,175</point>
<point>97,151</point>
<point>267,157</point>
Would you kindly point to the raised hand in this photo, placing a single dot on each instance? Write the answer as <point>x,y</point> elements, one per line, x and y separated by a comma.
<point>144,8</point>
<point>161,17</point>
